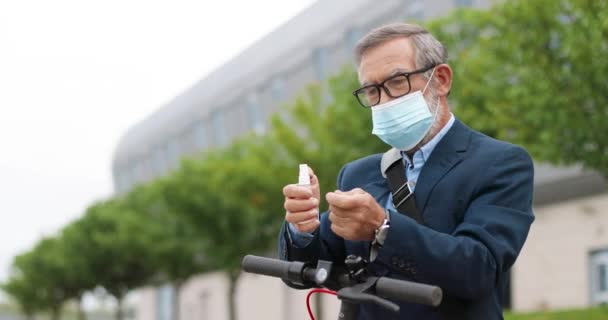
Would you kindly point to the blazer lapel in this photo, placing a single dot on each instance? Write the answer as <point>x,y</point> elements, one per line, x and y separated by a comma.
<point>448,153</point>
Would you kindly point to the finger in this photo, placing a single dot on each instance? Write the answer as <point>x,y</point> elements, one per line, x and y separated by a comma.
<point>337,219</point>
<point>296,192</point>
<point>357,191</point>
<point>298,205</point>
<point>345,214</point>
<point>299,217</point>
<point>352,192</point>
<point>340,231</point>
<point>308,226</point>
<point>313,177</point>
<point>314,186</point>
<point>344,200</point>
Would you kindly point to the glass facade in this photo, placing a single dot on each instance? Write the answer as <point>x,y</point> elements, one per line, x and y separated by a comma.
<point>352,37</point>
<point>463,3</point>
<point>172,153</point>
<point>278,88</point>
<point>255,117</point>
<point>219,128</point>
<point>200,138</point>
<point>319,58</point>
<point>416,10</point>
<point>159,161</point>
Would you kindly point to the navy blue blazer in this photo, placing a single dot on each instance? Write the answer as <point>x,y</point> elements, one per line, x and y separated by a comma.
<point>475,197</point>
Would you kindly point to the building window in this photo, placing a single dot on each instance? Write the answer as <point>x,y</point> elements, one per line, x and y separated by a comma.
<point>319,58</point>
<point>158,160</point>
<point>172,153</point>
<point>463,3</point>
<point>164,302</point>
<point>255,116</point>
<point>352,37</point>
<point>602,278</point>
<point>200,140</point>
<point>415,9</point>
<point>122,179</point>
<point>139,171</point>
<point>277,88</point>
<point>133,178</point>
<point>219,128</point>
<point>128,178</point>
<point>599,277</point>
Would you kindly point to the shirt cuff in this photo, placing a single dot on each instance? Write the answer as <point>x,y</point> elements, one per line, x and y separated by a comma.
<point>299,239</point>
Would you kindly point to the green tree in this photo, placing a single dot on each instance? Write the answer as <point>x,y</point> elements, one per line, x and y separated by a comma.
<point>44,269</point>
<point>178,247</point>
<point>532,72</point>
<point>48,276</point>
<point>77,251</point>
<point>121,246</point>
<point>230,197</point>
<point>24,292</point>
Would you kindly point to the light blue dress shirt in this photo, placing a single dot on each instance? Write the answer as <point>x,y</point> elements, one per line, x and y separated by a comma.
<point>412,171</point>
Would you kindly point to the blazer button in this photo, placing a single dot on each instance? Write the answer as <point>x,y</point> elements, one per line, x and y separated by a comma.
<point>401,264</point>
<point>394,261</point>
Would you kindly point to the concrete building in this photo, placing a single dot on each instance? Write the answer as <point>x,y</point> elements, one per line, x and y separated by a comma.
<point>563,264</point>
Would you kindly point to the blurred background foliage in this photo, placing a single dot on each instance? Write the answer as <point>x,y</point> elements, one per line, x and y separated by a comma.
<point>530,72</point>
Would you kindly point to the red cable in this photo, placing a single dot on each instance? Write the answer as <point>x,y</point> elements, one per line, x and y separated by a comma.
<point>312,316</point>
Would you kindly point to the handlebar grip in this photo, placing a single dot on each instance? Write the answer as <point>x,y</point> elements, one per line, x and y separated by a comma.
<point>287,270</point>
<point>266,266</point>
<point>407,291</point>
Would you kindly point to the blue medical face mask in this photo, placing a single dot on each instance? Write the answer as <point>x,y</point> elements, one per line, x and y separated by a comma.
<point>402,123</point>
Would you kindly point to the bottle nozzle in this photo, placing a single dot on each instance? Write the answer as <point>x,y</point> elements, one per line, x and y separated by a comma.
<point>303,178</point>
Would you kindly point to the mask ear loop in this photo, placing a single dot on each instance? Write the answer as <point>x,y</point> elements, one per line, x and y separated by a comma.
<point>423,90</point>
<point>428,82</point>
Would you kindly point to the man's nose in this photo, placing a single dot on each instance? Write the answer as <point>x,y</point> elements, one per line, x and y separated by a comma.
<point>384,97</point>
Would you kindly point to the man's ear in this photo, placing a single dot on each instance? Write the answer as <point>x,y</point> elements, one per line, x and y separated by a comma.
<point>443,79</point>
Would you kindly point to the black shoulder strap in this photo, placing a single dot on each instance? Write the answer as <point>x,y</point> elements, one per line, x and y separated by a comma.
<point>403,199</point>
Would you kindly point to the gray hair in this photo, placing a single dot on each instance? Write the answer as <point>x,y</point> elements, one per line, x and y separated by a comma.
<point>428,50</point>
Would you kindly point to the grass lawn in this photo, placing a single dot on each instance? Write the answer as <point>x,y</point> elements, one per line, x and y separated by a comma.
<point>598,313</point>
<point>7,308</point>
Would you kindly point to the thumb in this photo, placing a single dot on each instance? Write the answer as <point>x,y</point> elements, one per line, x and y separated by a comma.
<point>314,184</point>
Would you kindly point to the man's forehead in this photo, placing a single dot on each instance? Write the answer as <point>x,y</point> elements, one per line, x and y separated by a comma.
<point>390,57</point>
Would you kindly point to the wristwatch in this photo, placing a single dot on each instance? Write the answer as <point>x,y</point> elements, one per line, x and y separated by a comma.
<point>382,231</point>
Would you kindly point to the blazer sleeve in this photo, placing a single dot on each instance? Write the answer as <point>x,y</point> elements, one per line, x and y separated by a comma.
<point>325,244</point>
<point>468,262</point>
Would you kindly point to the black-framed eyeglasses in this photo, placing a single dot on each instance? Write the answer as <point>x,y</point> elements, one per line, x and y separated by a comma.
<point>396,86</point>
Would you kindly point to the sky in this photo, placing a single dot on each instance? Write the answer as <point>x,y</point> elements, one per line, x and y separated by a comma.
<point>76,74</point>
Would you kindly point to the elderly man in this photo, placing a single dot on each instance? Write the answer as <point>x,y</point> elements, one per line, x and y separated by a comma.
<point>446,205</point>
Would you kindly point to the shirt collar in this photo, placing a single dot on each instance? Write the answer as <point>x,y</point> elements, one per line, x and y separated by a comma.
<point>422,154</point>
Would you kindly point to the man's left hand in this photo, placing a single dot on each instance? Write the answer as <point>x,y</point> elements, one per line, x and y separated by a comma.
<point>355,215</point>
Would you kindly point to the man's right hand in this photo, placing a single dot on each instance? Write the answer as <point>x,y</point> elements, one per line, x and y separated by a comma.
<point>302,204</point>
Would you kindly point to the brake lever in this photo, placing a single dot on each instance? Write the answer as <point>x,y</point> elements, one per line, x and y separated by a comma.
<point>357,294</point>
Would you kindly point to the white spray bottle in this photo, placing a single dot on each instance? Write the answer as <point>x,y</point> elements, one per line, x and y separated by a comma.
<point>304,181</point>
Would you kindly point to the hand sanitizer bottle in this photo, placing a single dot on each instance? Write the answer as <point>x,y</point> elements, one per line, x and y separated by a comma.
<point>304,181</point>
